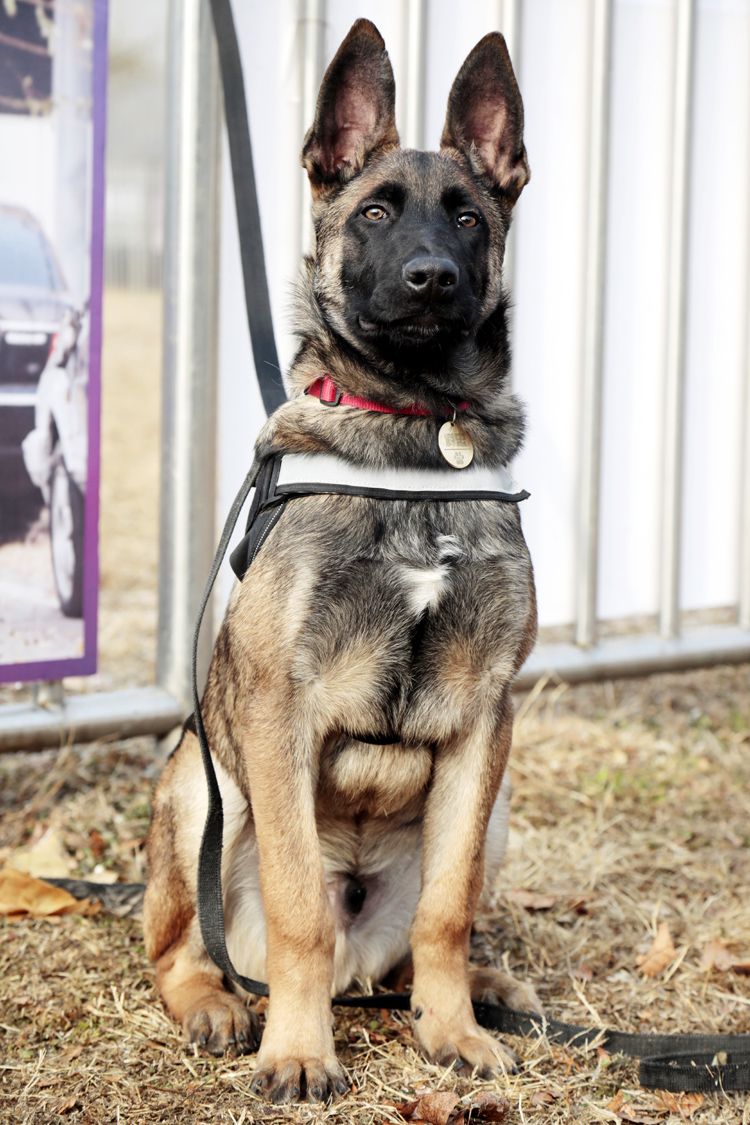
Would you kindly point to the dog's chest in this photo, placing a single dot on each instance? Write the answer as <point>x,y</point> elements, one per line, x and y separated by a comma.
<point>425,582</point>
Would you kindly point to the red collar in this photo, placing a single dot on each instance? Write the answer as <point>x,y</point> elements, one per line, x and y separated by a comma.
<point>326,390</point>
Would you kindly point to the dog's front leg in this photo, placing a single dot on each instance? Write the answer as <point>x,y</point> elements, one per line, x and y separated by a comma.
<point>467,775</point>
<point>297,1054</point>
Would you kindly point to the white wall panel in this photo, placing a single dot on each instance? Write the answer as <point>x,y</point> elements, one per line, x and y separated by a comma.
<point>717,309</point>
<point>548,289</point>
<point>636,304</point>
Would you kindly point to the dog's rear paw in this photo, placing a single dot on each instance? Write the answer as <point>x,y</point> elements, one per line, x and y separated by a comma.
<point>221,1022</point>
<point>474,1050</point>
<point>293,1080</point>
<point>493,986</point>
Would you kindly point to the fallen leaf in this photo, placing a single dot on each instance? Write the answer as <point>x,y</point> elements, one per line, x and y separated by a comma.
<point>635,1113</point>
<point>546,900</point>
<point>661,954</point>
<point>544,1097</point>
<point>684,1104</point>
<point>434,1108</point>
<point>487,1107</point>
<point>23,894</point>
<point>98,843</point>
<point>717,955</point>
<point>66,1106</point>
<point>532,900</point>
<point>48,856</point>
<point>640,1114</point>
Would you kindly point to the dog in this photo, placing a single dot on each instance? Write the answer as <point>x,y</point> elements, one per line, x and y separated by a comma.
<point>358,704</point>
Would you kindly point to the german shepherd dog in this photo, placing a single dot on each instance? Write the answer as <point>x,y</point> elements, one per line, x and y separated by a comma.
<point>358,703</point>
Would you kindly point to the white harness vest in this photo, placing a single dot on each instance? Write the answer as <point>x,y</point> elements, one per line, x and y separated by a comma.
<point>291,475</point>
<point>303,473</point>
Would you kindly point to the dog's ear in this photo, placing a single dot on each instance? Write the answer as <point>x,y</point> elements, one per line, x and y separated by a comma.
<point>485,117</point>
<point>355,116</point>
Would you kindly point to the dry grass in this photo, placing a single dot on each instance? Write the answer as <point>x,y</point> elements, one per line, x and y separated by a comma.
<point>630,798</point>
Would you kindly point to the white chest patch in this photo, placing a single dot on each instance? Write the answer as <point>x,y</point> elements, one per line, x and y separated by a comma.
<point>423,585</point>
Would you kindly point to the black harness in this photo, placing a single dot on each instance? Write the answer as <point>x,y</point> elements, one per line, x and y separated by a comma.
<point>289,476</point>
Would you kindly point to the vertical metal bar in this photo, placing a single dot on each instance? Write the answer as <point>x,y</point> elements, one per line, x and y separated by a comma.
<point>188,472</point>
<point>674,377</point>
<point>415,29</point>
<point>593,324</point>
<point>509,20</point>
<point>744,609</point>
<point>312,22</point>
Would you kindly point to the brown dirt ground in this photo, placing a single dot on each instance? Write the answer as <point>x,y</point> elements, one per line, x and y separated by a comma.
<point>631,808</point>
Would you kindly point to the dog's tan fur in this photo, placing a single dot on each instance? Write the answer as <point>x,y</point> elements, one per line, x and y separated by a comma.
<point>290,695</point>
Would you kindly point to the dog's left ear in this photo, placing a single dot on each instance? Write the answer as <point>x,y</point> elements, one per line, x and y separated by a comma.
<point>355,117</point>
<point>485,117</point>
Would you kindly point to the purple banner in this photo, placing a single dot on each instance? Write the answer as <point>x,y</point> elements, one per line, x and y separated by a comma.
<point>53,72</point>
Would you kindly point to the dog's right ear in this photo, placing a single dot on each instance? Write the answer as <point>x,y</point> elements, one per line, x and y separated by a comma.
<point>355,117</point>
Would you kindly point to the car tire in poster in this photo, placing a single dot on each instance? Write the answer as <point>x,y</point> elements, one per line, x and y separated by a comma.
<point>66,508</point>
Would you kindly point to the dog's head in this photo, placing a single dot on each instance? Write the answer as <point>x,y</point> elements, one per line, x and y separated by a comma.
<point>409,245</point>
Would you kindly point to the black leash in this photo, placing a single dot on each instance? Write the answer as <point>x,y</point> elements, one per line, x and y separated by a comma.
<point>257,301</point>
<point>703,1063</point>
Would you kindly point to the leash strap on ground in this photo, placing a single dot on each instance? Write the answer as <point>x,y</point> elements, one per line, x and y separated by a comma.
<point>257,301</point>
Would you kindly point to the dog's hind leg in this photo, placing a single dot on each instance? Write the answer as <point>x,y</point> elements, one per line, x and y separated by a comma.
<point>191,986</point>
<point>465,783</point>
<point>193,990</point>
<point>489,985</point>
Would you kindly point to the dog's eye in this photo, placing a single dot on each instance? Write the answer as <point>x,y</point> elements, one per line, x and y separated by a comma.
<point>375,213</point>
<point>468,219</point>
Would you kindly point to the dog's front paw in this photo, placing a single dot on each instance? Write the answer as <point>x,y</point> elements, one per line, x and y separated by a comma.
<point>221,1022</point>
<point>294,1079</point>
<point>494,986</point>
<point>465,1047</point>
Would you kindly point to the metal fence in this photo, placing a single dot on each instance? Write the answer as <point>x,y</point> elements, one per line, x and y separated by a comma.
<point>191,479</point>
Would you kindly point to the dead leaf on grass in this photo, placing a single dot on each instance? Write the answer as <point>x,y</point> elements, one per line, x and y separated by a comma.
<point>48,856</point>
<point>544,1097</point>
<point>437,1107</point>
<point>661,954</point>
<point>487,1107</point>
<point>66,1106</point>
<point>636,1113</point>
<point>547,900</point>
<point>22,894</point>
<point>683,1104</point>
<point>717,955</point>
<point>97,843</point>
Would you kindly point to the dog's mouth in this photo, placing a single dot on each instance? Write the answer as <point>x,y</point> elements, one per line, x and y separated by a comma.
<point>419,328</point>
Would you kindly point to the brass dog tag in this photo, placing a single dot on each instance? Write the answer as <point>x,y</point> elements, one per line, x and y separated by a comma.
<point>455,445</point>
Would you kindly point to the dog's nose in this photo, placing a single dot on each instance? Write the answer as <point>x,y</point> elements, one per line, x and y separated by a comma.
<point>430,277</point>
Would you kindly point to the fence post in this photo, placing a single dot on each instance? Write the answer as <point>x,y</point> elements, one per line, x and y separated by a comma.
<point>187,520</point>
